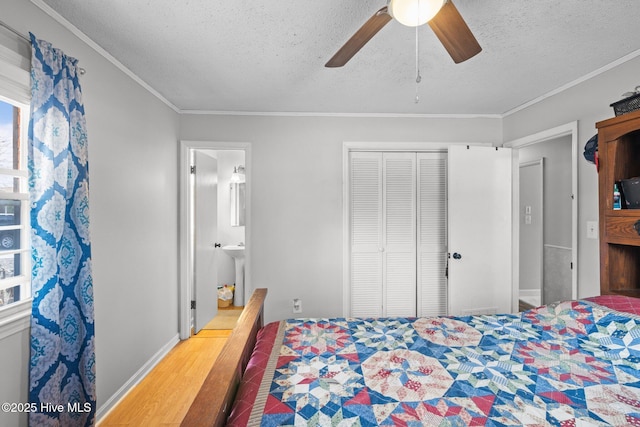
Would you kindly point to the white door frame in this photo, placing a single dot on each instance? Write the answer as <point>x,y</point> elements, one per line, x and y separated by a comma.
<point>186,225</point>
<point>570,128</point>
<point>349,146</point>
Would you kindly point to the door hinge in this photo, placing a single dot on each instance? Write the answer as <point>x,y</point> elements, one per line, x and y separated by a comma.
<point>193,169</point>
<point>571,265</point>
<point>193,304</point>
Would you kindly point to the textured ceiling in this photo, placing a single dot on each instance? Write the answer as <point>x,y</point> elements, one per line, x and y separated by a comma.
<point>269,56</point>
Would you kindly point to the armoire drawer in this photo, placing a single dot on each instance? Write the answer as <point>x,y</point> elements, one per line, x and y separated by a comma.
<point>625,228</point>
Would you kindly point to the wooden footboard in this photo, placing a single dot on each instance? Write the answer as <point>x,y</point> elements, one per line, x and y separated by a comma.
<point>212,405</point>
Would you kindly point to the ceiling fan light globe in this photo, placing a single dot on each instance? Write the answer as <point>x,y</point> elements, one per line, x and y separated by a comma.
<point>413,13</point>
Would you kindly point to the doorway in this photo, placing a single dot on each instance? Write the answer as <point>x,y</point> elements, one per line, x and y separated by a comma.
<point>557,249</point>
<point>229,231</point>
<point>531,220</point>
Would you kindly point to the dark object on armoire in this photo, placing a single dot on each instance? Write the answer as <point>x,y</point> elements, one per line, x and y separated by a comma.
<point>631,191</point>
<point>627,105</point>
<point>591,149</point>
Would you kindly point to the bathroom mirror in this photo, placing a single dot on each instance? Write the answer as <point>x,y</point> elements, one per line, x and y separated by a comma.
<point>237,203</point>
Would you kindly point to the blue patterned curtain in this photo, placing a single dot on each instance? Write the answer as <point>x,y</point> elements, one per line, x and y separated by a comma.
<point>62,369</point>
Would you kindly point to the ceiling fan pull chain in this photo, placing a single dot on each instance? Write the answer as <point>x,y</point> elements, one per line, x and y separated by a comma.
<point>418,76</point>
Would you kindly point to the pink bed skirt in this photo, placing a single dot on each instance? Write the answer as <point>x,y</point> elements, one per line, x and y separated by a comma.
<point>248,389</point>
<point>252,378</point>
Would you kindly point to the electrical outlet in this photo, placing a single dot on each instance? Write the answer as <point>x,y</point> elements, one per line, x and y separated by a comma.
<point>297,305</point>
<point>592,229</point>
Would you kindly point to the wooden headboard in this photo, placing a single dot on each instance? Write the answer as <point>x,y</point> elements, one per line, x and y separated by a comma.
<point>213,403</point>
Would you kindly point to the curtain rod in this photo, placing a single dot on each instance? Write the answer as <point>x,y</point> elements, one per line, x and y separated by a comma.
<point>17,33</point>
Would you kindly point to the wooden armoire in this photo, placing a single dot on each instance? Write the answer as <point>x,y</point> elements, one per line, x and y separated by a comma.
<point>619,158</point>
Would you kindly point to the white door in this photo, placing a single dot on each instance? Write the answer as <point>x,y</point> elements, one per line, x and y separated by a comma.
<point>205,199</point>
<point>479,230</point>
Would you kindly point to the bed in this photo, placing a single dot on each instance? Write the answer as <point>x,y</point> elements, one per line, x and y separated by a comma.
<point>567,364</point>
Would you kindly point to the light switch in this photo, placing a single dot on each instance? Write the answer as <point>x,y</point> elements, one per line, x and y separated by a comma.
<point>592,229</point>
<point>527,219</point>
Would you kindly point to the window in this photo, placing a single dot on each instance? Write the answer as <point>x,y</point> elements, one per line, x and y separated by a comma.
<point>15,256</point>
<point>15,272</point>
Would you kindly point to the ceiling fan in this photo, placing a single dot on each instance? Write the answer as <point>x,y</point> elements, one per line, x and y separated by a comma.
<point>441,15</point>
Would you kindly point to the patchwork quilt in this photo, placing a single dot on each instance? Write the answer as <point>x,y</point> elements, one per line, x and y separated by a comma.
<point>571,364</point>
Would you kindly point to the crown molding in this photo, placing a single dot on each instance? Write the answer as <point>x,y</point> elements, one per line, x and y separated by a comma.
<point>575,82</point>
<point>83,37</point>
<point>351,115</point>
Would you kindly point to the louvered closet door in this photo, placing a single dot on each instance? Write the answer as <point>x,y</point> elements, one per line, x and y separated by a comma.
<point>399,236</point>
<point>365,187</point>
<point>432,234</point>
<point>383,234</point>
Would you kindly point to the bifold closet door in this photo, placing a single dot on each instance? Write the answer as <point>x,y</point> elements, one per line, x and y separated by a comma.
<point>399,235</point>
<point>383,234</point>
<point>365,218</point>
<point>432,234</point>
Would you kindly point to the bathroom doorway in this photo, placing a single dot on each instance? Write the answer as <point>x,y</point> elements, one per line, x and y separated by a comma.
<point>232,235</point>
<point>531,220</point>
<point>557,240</point>
<point>229,242</point>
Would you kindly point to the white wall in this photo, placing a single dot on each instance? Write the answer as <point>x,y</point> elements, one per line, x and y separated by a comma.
<point>296,206</point>
<point>531,232</point>
<point>133,182</point>
<point>557,187</point>
<point>587,102</point>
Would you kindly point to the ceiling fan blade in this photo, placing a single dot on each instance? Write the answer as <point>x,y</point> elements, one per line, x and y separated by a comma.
<point>454,34</point>
<point>360,38</point>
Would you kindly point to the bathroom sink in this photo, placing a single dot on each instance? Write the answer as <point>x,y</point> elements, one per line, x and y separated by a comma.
<point>234,251</point>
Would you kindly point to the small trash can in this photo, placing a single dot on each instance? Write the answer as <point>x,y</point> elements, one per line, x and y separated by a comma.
<point>225,296</point>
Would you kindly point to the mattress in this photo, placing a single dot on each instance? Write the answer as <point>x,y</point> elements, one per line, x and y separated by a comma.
<point>566,364</point>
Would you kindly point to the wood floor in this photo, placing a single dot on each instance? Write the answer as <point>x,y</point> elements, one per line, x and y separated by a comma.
<point>226,318</point>
<point>163,397</point>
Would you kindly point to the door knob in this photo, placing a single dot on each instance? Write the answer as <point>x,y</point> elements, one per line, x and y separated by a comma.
<point>456,255</point>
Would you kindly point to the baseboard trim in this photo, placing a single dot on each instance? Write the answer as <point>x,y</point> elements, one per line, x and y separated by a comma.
<point>528,293</point>
<point>111,403</point>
